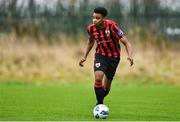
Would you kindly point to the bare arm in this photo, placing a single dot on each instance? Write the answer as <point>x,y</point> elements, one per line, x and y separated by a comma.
<point>88,49</point>
<point>128,47</point>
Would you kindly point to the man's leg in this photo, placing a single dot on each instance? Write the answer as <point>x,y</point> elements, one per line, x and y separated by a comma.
<point>98,87</point>
<point>107,85</point>
<point>111,69</point>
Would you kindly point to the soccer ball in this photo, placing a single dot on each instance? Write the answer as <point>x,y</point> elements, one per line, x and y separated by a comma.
<point>101,111</point>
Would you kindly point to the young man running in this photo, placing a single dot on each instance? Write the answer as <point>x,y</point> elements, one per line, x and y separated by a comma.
<point>106,34</point>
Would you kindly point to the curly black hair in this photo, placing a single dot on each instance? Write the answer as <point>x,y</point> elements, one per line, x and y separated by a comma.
<point>101,10</point>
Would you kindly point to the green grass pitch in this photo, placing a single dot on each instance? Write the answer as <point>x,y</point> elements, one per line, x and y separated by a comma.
<point>76,102</point>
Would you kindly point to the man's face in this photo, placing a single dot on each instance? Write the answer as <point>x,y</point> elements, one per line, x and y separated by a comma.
<point>98,19</point>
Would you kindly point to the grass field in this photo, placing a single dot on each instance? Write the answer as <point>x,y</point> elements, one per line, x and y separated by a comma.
<point>75,102</point>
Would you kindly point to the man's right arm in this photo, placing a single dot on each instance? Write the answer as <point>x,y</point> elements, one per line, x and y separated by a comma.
<point>88,49</point>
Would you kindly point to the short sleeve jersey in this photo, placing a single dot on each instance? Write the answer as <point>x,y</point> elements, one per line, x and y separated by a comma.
<point>107,38</point>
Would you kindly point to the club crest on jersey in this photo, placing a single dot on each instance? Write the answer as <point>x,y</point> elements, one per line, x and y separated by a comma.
<point>98,65</point>
<point>107,32</point>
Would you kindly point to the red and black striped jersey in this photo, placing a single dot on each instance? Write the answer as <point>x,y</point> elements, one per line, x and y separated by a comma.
<point>107,38</point>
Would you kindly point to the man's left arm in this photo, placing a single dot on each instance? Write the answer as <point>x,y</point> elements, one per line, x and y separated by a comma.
<point>129,50</point>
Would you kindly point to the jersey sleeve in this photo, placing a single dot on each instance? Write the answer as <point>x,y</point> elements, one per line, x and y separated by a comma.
<point>117,30</point>
<point>89,33</point>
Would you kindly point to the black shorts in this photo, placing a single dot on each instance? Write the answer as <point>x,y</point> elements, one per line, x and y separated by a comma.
<point>106,64</point>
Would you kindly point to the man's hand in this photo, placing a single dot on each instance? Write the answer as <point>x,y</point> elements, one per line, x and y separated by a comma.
<point>81,62</point>
<point>130,60</point>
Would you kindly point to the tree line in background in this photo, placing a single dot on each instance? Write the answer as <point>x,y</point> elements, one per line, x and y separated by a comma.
<point>73,16</point>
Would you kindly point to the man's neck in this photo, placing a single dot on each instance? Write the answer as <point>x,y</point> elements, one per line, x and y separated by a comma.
<point>101,26</point>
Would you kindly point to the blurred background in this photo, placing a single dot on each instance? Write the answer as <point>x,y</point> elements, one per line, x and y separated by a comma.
<point>41,41</point>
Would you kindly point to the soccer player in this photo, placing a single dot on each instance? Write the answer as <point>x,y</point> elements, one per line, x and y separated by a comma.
<point>106,34</point>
